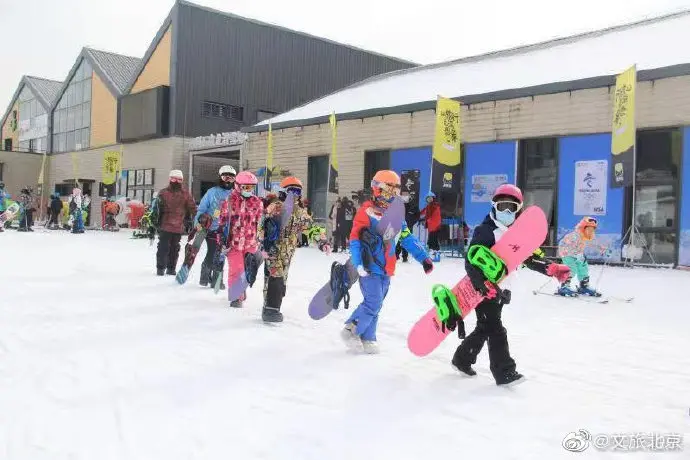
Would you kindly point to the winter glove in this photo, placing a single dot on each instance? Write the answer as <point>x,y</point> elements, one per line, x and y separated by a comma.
<point>559,271</point>
<point>205,220</point>
<point>428,265</point>
<point>361,271</point>
<point>483,289</point>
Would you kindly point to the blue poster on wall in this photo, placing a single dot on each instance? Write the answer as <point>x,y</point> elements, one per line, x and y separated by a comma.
<point>414,159</point>
<point>684,249</point>
<point>584,190</point>
<point>487,165</point>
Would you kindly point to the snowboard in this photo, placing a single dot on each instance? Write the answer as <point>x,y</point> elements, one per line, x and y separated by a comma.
<point>389,225</point>
<point>9,213</point>
<point>515,246</point>
<point>194,241</point>
<point>247,276</point>
<point>216,275</point>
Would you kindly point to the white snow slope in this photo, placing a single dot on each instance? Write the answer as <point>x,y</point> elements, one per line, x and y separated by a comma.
<point>100,359</point>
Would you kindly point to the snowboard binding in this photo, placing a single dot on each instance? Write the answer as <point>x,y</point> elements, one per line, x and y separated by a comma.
<point>447,309</point>
<point>340,285</point>
<point>492,266</point>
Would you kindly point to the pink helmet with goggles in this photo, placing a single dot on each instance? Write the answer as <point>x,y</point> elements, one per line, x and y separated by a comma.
<point>246,178</point>
<point>508,190</point>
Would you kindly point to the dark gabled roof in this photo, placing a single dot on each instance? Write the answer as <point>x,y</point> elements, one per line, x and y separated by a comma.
<point>115,70</point>
<point>44,90</point>
<point>118,68</point>
<point>580,61</point>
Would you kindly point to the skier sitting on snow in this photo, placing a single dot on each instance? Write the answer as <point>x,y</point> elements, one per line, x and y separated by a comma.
<point>375,260</point>
<point>241,213</point>
<point>280,245</point>
<point>207,216</point>
<point>506,205</point>
<point>572,250</point>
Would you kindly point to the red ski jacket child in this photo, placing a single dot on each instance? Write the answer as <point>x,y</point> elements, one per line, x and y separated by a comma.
<point>244,215</point>
<point>432,214</point>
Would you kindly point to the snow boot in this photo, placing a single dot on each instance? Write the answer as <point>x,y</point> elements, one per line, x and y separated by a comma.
<point>271,315</point>
<point>160,271</point>
<point>510,379</point>
<point>565,291</point>
<point>171,271</point>
<point>204,279</point>
<point>350,338</point>
<point>236,304</point>
<point>465,369</point>
<point>584,289</point>
<point>370,347</point>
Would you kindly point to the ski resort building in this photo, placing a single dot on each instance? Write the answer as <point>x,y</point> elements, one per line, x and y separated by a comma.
<point>205,75</point>
<point>539,115</point>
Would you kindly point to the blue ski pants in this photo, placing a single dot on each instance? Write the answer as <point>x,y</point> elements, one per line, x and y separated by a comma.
<point>374,288</point>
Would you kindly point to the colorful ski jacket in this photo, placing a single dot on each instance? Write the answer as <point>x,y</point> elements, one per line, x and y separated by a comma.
<point>243,215</point>
<point>574,244</point>
<point>210,204</point>
<point>173,206</point>
<point>382,252</point>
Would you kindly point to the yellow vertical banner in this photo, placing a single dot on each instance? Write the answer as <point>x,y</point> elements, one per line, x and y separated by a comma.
<point>623,129</point>
<point>446,151</point>
<point>111,165</point>
<point>333,163</point>
<point>269,159</point>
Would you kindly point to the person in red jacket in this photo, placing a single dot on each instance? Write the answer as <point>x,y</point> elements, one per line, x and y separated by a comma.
<point>174,203</point>
<point>431,215</point>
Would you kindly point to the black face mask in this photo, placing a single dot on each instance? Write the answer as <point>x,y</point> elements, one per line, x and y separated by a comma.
<point>226,185</point>
<point>175,186</point>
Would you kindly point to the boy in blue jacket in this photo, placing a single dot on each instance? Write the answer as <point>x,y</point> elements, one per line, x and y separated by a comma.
<point>378,264</point>
<point>207,215</point>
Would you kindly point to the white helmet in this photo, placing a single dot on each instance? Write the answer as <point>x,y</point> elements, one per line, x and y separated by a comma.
<point>227,169</point>
<point>177,174</point>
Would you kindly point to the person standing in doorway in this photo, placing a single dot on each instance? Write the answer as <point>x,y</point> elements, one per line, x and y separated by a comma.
<point>174,203</point>
<point>207,215</point>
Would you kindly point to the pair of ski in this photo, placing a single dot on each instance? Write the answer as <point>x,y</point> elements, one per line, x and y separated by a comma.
<point>587,298</point>
<point>518,243</point>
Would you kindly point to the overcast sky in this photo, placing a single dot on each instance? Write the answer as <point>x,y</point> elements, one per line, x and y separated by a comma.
<point>44,37</point>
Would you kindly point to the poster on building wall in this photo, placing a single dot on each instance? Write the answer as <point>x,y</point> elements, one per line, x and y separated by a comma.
<point>590,187</point>
<point>484,185</point>
<point>410,184</point>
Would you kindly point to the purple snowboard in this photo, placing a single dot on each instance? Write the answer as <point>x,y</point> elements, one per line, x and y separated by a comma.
<point>236,289</point>
<point>388,227</point>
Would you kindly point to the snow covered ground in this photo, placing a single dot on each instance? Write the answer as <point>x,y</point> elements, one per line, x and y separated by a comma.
<point>100,359</point>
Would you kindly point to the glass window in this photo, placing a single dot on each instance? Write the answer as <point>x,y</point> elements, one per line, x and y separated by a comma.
<point>70,141</point>
<point>61,141</point>
<point>63,120</point>
<point>55,143</point>
<point>655,206</point>
<point>538,176</point>
<point>86,90</point>
<point>78,93</point>
<point>86,114</point>
<point>86,69</point>
<point>85,135</point>
<point>70,119</point>
<point>658,155</point>
<point>77,140</point>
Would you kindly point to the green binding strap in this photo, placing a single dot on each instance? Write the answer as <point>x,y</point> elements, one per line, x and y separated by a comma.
<point>444,299</point>
<point>489,263</point>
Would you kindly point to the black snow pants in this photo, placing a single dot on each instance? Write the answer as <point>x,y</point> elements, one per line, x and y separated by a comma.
<point>168,251</point>
<point>489,329</point>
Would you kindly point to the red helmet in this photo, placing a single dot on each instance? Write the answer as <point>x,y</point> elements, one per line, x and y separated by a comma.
<point>508,190</point>
<point>246,178</point>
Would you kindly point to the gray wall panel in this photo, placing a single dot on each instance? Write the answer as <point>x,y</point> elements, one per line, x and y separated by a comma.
<point>233,61</point>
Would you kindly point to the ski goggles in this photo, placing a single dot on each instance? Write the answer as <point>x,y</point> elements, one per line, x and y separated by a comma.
<point>227,177</point>
<point>589,222</point>
<point>385,191</point>
<point>176,180</point>
<point>297,191</point>
<point>247,188</point>
<point>507,205</point>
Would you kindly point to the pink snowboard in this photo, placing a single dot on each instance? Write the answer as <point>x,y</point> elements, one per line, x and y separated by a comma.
<point>517,244</point>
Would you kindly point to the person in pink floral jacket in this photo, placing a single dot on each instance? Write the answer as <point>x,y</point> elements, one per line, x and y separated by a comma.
<point>241,213</point>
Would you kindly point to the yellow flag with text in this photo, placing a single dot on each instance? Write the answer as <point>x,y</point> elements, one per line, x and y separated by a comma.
<point>333,164</point>
<point>111,165</point>
<point>623,128</point>
<point>446,156</point>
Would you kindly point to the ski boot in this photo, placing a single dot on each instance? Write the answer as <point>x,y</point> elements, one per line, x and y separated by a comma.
<point>171,271</point>
<point>205,277</point>
<point>565,291</point>
<point>584,289</point>
<point>160,271</point>
<point>510,379</point>
<point>236,304</point>
<point>271,315</point>
<point>350,338</point>
<point>465,369</point>
<point>370,347</point>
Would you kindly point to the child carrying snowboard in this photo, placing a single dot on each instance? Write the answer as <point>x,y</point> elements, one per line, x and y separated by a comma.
<point>506,205</point>
<point>240,216</point>
<point>572,250</point>
<point>375,261</point>
<point>280,245</point>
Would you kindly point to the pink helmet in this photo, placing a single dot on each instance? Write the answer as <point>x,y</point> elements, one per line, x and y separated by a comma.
<point>246,178</point>
<point>508,190</point>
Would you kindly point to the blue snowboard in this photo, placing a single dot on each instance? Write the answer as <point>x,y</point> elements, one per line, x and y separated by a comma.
<point>388,227</point>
